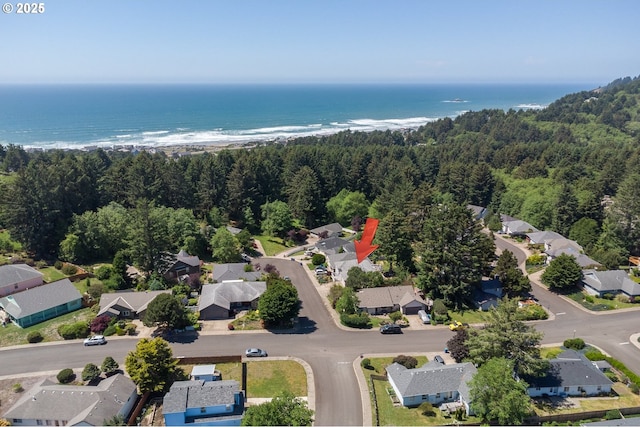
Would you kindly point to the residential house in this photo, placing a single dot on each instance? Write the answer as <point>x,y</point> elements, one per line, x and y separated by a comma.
<point>479,212</point>
<point>127,304</point>
<point>331,245</point>
<point>570,374</point>
<point>433,382</point>
<point>341,263</point>
<point>181,267</point>
<point>516,227</point>
<point>18,277</point>
<point>203,403</point>
<point>49,403</point>
<point>41,303</point>
<point>233,271</point>
<point>326,231</point>
<point>487,294</point>
<point>613,282</point>
<point>406,299</point>
<point>223,300</point>
<point>555,244</point>
<point>205,373</point>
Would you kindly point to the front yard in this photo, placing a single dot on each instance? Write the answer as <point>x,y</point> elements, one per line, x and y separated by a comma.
<point>14,335</point>
<point>594,303</point>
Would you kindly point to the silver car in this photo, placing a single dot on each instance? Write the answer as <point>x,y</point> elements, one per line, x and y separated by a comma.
<point>255,352</point>
<point>95,340</point>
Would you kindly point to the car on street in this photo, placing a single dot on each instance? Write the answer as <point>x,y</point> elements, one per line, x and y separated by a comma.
<point>455,325</point>
<point>390,328</point>
<point>95,340</point>
<point>255,352</point>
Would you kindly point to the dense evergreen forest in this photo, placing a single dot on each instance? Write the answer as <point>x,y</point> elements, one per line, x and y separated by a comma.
<point>573,167</point>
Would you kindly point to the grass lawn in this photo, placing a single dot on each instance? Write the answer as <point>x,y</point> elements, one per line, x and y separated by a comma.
<point>51,274</point>
<point>271,245</point>
<point>268,378</point>
<point>249,322</point>
<point>13,335</point>
<point>624,399</point>
<point>398,415</point>
<point>468,316</point>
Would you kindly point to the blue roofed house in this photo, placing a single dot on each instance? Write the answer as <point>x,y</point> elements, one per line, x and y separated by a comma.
<point>203,403</point>
<point>613,282</point>
<point>434,383</point>
<point>41,303</point>
<point>570,374</point>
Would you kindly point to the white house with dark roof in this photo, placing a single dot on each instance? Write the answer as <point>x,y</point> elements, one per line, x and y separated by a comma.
<point>221,300</point>
<point>17,278</point>
<point>387,299</point>
<point>128,304</point>
<point>211,403</point>
<point>233,271</point>
<point>433,382</point>
<point>600,283</point>
<point>41,303</point>
<point>341,263</point>
<point>570,374</point>
<point>50,403</point>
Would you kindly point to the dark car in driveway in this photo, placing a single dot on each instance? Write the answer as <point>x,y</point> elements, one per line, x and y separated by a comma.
<point>391,328</point>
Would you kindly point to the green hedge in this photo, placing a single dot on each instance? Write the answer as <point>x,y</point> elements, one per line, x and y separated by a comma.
<point>74,330</point>
<point>361,321</point>
<point>594,355</point>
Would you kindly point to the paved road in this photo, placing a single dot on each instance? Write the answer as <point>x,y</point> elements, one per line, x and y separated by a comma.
<point>330,350</point>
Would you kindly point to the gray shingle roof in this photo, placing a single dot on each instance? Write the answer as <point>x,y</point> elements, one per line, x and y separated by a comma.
<point>611,281</point>
<point>35,300</point>
<point>519,226</point>
<point>388,296</point>
<point>199,394</point>
<point>570,369</point>
<point>233,271</point>
<point>75,404</point>
<point>432,378</point>
<point>333,228</point>
<point>134,301</point>
<point>191,260</point>
<point>17,273</point>
<point>225,293</point>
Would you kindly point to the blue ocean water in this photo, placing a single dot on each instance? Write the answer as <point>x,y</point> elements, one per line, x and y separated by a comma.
<point>79,116</point>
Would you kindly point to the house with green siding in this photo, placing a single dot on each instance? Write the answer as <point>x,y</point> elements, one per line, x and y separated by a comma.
<point>41,303</point>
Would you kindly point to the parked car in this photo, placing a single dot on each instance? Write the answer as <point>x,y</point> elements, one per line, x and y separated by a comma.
<point>255,352</point>
<point>95,340</point>
<point>245,257</point>
<point>439,359</point>
<point>390,328</point>
<point>424,316</point>
<point>455,325</point>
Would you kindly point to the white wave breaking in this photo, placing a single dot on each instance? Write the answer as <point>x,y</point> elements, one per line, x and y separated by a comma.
<point>222,137</point>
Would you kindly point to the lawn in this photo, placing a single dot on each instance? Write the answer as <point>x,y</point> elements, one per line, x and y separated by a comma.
<point>268,378</point>
<point>593,303</point>
<point>13,335</point>
<point>51,274</point>
<point>271,245</point>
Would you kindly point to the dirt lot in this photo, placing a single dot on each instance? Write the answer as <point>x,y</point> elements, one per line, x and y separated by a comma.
<point>8,397</point>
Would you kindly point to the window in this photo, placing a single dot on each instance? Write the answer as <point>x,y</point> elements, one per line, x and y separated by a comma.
<point>538,388</point>
<point>203,410</point>
<point>39,422</point>
<point>599,387</point>
<point>17,421</point>
<point>566,389</point>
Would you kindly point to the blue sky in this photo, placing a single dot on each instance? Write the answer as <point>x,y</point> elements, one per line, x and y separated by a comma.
<point>322,41</point>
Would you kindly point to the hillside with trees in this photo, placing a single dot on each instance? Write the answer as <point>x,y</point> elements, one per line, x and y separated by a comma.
<point>572,167</point>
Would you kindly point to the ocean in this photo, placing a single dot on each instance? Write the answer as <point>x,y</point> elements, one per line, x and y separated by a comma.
<point>83,116</point>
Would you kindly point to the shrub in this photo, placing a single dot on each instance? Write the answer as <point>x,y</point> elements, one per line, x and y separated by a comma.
<point>612,376</point>
<point>622,298</point>
<point>426,409</point>
<point>231,327</point>
<point>130,329</point>
<point>111,329</point>
<point>612,414</point>
<point>17,388</point>
<point>537,259</point>
<point>66,376</point>
<point>99,324</point>
<point>439,308</point>
<point>318,259</point>
<point>34,337</point>
<point>590,299</point>
<point>69,269</point>
<point>395,316</point>
<point>574,343</point>
<point>532,312</point>
<point>74,330</point>
<point>593,355</point>
<point>635,389</point>
<point>104,272</point>
<point>408,362</point>
<point>58,265</point>
<point>119,330</point>
<point>358,320</point>
<point>109,366</point>
<point>366,363</point>
<point>90,372</point>
<point>193,301</point>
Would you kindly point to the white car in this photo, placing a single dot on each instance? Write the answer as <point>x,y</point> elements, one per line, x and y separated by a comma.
<point>255,352</point>
<point>95,340</point>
